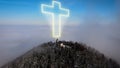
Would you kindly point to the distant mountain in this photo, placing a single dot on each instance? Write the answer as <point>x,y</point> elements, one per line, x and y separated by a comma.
<point>62,54</point>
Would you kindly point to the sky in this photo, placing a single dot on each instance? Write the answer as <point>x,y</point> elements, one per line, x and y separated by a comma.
<point>28,12</point>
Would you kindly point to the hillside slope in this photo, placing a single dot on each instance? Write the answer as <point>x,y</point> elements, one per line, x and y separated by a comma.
<point>62,54</point>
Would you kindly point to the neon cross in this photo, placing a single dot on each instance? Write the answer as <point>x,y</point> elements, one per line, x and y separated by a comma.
<point>57,12</point>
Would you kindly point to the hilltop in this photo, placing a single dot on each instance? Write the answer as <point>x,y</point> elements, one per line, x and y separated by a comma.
<point>62,54</point>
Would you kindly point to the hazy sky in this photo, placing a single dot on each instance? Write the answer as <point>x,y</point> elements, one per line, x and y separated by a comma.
<point>27,12</point>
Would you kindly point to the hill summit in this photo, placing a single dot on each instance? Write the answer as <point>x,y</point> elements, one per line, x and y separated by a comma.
<point>62,54</point>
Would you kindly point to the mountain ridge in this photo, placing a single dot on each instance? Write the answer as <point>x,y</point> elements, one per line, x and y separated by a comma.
<point>62,54</point>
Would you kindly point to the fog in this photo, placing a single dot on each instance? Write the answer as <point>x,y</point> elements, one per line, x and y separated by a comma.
<point>16,40</point>
<point>103,37</point>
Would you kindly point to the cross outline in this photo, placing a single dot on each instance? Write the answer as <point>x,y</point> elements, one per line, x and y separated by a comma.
<point>52,14</point>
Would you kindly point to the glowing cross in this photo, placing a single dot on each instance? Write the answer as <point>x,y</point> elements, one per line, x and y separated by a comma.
<point>57,12</point>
